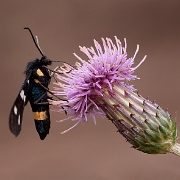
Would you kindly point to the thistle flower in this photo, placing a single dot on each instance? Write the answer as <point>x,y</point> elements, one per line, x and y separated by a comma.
<point>101,86</point>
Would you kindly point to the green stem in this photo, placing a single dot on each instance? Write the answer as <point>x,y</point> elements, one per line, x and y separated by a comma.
<point>175,149</point>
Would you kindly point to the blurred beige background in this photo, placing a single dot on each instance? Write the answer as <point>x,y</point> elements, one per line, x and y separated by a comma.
<point>88,152</point>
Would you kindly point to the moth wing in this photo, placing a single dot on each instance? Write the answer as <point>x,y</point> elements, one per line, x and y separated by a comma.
<point>16,113</point>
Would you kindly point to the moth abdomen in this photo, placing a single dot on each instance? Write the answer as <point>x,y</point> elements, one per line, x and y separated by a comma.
<point>42,123</point>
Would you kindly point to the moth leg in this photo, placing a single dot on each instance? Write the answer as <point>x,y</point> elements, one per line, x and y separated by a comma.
<point>43,103</point>
<point>47,103</point>
<point>56,72</point>
<point>53,73</point>
<point>36,102</point>
<point>50,92</point>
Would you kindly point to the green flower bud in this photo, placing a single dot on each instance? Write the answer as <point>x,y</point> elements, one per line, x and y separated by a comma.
<point>143,123</point>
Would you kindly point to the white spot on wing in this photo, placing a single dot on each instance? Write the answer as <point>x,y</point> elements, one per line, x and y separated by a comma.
<point>22,95</point>
<point>19,120</point>
<point>15,110</point>
<point>24,98</point>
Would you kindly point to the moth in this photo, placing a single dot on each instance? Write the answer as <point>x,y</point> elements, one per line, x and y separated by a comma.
<point>35,90</point>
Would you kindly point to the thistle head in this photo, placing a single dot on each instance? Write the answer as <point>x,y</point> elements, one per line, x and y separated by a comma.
<point>100,85</point>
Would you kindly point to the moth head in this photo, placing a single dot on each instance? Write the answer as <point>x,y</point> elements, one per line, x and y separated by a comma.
<point>45,61</point>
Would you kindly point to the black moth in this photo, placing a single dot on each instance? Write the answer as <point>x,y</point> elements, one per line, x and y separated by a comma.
<point>34,90</point>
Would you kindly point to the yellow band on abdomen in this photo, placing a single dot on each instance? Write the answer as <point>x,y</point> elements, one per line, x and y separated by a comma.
<point>40,115</point>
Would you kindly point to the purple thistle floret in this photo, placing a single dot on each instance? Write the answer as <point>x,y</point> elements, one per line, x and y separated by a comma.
<point>81,85</point>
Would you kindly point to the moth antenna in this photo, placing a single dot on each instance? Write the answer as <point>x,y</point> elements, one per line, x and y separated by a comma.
<point>35,39</point>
